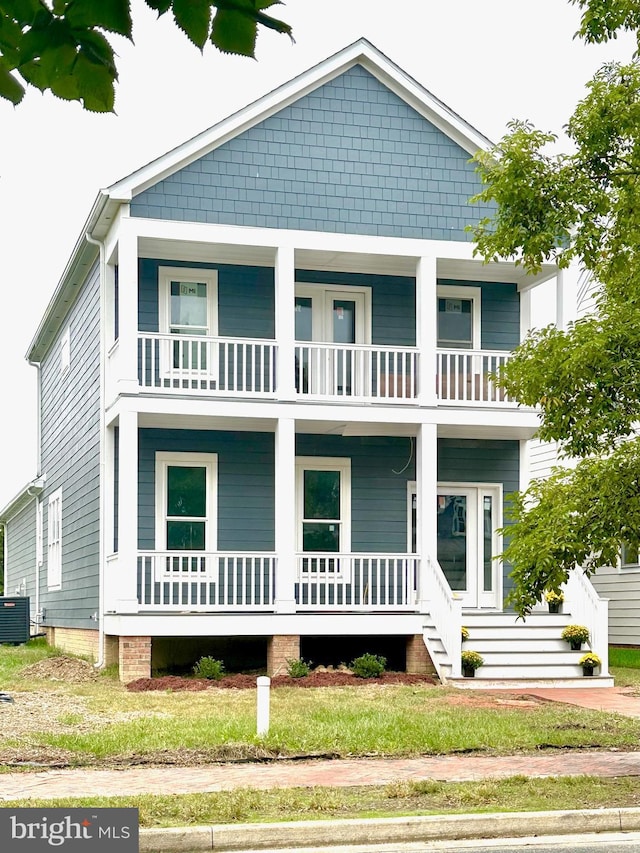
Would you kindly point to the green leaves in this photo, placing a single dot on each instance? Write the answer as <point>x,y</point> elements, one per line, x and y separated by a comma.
<point>602,19</point>
<point>62,45</point>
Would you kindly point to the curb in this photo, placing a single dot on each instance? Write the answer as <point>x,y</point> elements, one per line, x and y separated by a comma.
<point>319,833</point>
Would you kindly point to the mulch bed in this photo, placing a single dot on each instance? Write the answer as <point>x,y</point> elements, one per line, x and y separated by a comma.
<point>247,682</point>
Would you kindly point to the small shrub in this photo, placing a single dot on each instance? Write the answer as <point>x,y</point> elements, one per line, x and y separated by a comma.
<point>298,668</point>
<point>590,659</point>
<point>472,660</point>
<point>368,665</point>
<point>465,633</point>
<point>208,667</point>
<point>575,634</point>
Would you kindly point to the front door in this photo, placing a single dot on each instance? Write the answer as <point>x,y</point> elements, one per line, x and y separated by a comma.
<point>467,518</point>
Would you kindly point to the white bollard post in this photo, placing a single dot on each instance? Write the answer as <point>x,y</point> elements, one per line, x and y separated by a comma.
<point>264,683</point>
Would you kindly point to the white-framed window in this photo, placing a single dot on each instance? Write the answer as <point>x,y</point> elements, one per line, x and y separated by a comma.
<point>459,317</point>
<point>630,555</point>
<point>65,350</point>
<point>39,526</point>
<point>188,309</point>
<point>323,505</point>
<point>54,540</point>
<point>186,501</point>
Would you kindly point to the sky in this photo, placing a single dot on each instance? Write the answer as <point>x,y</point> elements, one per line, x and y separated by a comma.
<point>490,61</point>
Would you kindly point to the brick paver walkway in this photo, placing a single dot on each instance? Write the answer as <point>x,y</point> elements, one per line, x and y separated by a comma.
<point>341,773</point>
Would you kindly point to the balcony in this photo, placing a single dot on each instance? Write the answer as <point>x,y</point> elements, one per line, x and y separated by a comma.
<point>247,368</point>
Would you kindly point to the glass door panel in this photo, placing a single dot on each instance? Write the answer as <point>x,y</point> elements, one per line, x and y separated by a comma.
<point>303,332</point>
<point>453,541</point>
<point>343,332</point>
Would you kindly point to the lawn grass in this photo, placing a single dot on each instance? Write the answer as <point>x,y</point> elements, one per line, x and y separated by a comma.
<point>341,721</point>
<point>247,805</point>
<point>627,658</point>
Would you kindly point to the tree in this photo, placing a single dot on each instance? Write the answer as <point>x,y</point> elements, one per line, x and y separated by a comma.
<point>62,44</point>
<point>583,207</point>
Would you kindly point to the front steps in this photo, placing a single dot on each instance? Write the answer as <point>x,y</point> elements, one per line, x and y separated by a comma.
<point>516,654</point>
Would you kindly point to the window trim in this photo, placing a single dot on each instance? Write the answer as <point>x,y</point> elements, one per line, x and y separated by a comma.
<point>188,274</point>
<point>325,463</point>
<point>54,545</point>
<point>628,568</point>
<point>163,461</point>
<point>451,291</point>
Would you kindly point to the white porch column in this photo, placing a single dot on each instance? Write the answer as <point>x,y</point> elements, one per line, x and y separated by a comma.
<point>127,381</point>
<point>525,312</point>
<point>285,322</point>
<point>127,596</point>
<point>427,492</point>
<point>566,297</point>
<point>426,329</point>
<point>285,515</point>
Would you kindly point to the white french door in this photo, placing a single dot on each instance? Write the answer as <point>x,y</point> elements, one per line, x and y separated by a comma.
<point>468,516</point>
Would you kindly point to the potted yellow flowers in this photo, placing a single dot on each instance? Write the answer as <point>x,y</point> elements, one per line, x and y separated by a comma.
<point>575,635</point>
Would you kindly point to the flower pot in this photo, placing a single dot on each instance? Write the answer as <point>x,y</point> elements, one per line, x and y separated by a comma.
<point>587,670</point>
<point>468,672</point>
<point>576,645</point>
<point>554,607</point>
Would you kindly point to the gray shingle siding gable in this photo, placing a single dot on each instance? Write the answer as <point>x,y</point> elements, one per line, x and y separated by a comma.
<point>350,157</point>
<point>20,536</point>
<point>70,447</point>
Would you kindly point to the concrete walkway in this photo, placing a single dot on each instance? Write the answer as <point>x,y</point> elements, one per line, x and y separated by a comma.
<point>133,781</point>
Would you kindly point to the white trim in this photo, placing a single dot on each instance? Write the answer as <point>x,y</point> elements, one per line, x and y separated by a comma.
<point>325,463</point>
<point>209,461</point>
<point>54,540</point>
<point>449,291</point>
<point>194,275</point>
<point>412,489</point>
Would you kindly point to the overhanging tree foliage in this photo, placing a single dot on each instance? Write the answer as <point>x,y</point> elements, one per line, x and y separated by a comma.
<point>582,206</point>
<point>62,45</point>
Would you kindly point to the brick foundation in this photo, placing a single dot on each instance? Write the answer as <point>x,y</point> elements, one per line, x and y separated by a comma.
<point>134,658</point>
<point>418,660</point>
<point>111,650</point>
<point>280,649</point>
<point>75,641</point>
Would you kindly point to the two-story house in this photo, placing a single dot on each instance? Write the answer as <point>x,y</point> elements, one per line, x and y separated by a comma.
<point>269,425</point>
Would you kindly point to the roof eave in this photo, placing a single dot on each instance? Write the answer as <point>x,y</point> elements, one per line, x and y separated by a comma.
<point>18,502</point>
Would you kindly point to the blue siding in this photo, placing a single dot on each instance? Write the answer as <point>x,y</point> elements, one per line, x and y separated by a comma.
<point>350,157</point>
<point>245,484</point>
<point>378,494</point>
<point>480,461</point>
<point>20,541</point>
<point>70,443</point>
<point>245,298</point>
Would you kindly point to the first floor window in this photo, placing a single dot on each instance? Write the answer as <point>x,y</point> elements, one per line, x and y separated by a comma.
<point>630,556</point>
<point>54,540</point>
<point>186,508</point>
<point>323,504</point>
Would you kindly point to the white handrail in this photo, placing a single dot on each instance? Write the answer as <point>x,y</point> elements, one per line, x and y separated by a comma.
<point>587,608</point>
<point>446,612</point>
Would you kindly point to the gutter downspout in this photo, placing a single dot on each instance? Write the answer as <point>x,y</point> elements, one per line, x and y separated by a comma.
<point>102,545</point>
<point>38,566</point>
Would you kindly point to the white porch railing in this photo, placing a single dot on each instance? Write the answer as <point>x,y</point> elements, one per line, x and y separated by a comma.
<point>356,581</point>
<point>238,366</point>
<point>446,613</point>
<point>356,371</point>
<point>466,376</point>
<point>587,608</point>
<point>179,580</point>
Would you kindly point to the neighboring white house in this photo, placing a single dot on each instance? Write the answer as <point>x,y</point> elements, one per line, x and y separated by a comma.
<point>268,424</point>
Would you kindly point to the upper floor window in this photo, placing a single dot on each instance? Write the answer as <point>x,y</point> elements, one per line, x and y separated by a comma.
<point>188,309</point>
<point>458,317</point>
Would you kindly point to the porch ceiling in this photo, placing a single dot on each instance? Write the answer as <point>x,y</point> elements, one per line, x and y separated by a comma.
<point>507,433</point>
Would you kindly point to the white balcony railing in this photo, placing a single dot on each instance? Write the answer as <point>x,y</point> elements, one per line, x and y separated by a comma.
<point>356,372</point>
<point>356,581</point>
<point>236,366</point>
<point>179,580</point>
<point>467,376</point>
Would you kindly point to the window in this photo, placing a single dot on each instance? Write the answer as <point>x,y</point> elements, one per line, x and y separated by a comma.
<point>186,507</point>
<point>630,554</point>
<point>54,540</point>
<point>323,491</point>
<point>188,308</point>
<point>65,351</point>
<point>458,317</point>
